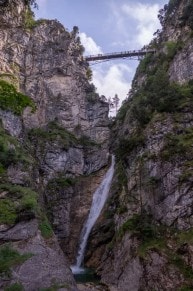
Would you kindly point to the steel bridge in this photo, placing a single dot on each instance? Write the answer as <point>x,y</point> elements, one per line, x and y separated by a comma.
<point>127,54</point>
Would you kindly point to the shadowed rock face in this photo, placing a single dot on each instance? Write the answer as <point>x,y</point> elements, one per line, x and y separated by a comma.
<point>45,62</point>
<point>4,2</point>
<point>152,187</point>
<point>12,12</point>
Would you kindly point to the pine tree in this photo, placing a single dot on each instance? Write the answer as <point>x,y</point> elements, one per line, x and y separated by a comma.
<point>116,102</point>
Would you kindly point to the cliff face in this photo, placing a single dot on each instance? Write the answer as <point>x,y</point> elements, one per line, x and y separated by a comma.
<point>150,218</point>
<point>53,136</point>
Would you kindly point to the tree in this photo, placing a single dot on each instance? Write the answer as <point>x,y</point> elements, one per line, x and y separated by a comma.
<point>3,2</point>
<point>103,98</point>
<point>75,31</point>
<point>31,3</point>
<point>116,102</point>
<point>110,102</point>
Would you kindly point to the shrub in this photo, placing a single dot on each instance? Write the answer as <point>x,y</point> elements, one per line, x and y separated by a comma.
<point>18,199</point>
<point>45,228</point>
<point>186,270</point>
<point>14,287</point>
<point>144,64</point>
<point>125,146</point>
<point>56,287</point>
<point>87,141</point>
<point>12,100</point>
<point>158,95</point>
<point>60,183</point>
<point>9,258</point>
<point>8,212</point>
<point>53,132</point>
<point>123,110</point>
<point>187,15</point>
<point>121,174</point>
<point>173,48</point>
<point>92,97</point>
<point>11,151</point>
<point>186,288</point>
<point>140,225</point>
<point>178,144</point>
<point>89,74</point>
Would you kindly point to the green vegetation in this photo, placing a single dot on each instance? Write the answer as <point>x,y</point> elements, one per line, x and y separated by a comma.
<point>61,182</point>
<point>153,181</point>
<point>32,3</point>
<point>10,78</point>
<point>178,144</point>
<point>172,48</point>
<point>144,64</point>
<point>17,199</point>
<point>186,288</point>
<point>54,132</point>
<point>30,21</point>
<point>45,228</point>
<point>139,225</point>
<point>187,15</point>
<point>160,238</point>
<point>184,237</point>
<point>92,97</point>
<point>123,110</point>
<point>121,174</point>
<point>8,213</point>
<point>85,141</point>
<point>11,151</point>
<point>89,74</point>
<point>151,236</point>
<point>158,95</point>
<point>12,100</point>
<point>55,287</point>
<point>185,269</point>
<point>166,13</point>
<point>9,258</point>
<point>127,145</point>
<point>151,244</point>
<point>14,287</point>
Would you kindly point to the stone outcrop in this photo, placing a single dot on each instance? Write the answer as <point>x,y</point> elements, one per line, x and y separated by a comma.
<point>51,151</point>
<point>150,218</point>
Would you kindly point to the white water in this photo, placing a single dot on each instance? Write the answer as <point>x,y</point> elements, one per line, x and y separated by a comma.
<point>99,199</point>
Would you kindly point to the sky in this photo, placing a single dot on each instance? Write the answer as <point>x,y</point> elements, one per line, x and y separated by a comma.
<point>107,26</point>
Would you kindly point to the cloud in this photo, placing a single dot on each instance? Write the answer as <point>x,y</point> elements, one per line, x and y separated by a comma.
<point>133,24</point>
<point>91,48</point>
<point>112,80</point>
<point>41,3</point>
<point>42,9</point>
<point>146,19</point>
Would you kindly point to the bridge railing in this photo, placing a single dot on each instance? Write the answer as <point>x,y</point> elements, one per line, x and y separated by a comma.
<point>119,54</point>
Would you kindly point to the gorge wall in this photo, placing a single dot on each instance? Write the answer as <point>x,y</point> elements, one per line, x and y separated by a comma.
<point>54,148</point>
<point>143,240</point>
<point>54,151</point>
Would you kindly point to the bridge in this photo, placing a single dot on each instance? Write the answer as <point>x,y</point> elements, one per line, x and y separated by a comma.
<point>127,54</point>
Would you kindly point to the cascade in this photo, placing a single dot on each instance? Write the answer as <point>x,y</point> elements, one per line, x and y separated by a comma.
<point>99,199</point>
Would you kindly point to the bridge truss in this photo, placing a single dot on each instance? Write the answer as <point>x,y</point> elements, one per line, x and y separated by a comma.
<point>135,54</point>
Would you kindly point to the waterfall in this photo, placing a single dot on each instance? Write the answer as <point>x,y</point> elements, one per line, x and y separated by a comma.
<point>99,198</point>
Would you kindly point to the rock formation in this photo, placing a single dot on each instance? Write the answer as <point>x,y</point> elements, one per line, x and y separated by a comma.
<point>54,140</point>
<point>146,242</point>
<point>54,143</point>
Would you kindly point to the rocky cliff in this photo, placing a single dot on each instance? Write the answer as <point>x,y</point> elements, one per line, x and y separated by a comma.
<point>53,145</point>
<point>144,239</point>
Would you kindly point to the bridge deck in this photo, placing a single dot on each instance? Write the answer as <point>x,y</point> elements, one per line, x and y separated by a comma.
<point>126,54</point>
